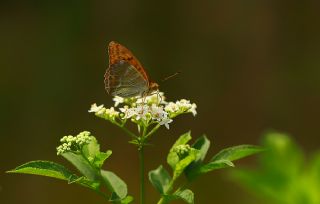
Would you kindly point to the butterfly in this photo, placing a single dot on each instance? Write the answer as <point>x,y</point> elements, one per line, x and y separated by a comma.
<point>125,76</point>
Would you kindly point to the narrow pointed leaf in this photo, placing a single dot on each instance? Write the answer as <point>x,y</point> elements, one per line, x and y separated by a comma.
<point>45,168</point>
<point>53,170</point>
<point>237,152</point>
<point>218,164</point>
<point>202,169</point>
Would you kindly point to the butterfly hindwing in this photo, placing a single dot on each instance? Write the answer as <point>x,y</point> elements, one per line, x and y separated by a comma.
<point>124,80</point>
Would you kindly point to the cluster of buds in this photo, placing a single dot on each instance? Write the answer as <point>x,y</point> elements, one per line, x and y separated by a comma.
<point>148,110</point>
<point>182,150</point>
<point>74,143</point>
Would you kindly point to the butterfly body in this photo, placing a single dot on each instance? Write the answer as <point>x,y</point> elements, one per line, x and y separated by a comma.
<point>125,76</point>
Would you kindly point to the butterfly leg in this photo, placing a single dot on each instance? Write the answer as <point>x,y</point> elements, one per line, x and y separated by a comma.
<point>159,96</point>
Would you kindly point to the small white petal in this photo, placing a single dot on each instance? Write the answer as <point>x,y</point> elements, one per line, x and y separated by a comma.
<point>117,100</point>
<point>166,122</point>
<point>193,109</point>
<point>94,108</point>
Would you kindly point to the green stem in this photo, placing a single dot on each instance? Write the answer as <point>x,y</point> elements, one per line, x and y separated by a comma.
<point>126,130</point>
<point>102,194</point>
<point>154,129</point>
<point>142,188</point>
<point>168,192</point>
<point>141,161</point>
<point>161,201</point>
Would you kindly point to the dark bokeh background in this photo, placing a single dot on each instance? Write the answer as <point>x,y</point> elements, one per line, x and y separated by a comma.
<point>249,66</point>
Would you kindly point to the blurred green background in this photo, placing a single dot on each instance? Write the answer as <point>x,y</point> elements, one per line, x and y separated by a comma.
<point>249,66</point>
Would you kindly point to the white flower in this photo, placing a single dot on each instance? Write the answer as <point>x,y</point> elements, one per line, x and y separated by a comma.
<point>117,100</point>
<point>172,107</point>
<point>181,106</point>
<point>148,110</point>
<point>128,112</point>
<point>101,112</point>
<point>141,112</point>
<point>111,112</point>
<point>166,122</point>
<point>193,109</point>
<point>94,108</point>
<point>184,104</point>
<point>157,112</point>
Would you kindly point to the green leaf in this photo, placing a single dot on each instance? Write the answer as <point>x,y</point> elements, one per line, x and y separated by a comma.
<point>114,183</point>
<point>185,195</point>
<point>91,150</point>
<point>127,200</point>
<point>260,184</point>
<point>202,144</point>
<point>218,164</point>
<point>281,149</point>
<point>53,170</point>
<point>92,153</point>
<point>100,158</point>
<point>160,179</point>
<point>172,157</point>
<point>85,182</point>
<point>182,164</point>
<point>282,176</point>
<point>45,168</point>
<point>222,160</point>
<point>236,152</point>
<point>83,165</point>
<point>114,198</point>
<point>183,139</point>
<point>315,168</point>
<point>134,141</point>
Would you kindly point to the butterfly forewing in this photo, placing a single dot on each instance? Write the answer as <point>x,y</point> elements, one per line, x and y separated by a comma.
<point>118,52</point>
<point>125,76</point>
<point>122,79</point>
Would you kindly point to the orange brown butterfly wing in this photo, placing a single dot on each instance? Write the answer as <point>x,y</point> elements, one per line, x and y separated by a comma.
<point>125,76</point>
<point>119,52</point>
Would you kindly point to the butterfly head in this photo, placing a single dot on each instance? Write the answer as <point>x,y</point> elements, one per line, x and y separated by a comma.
<point>153,86</point>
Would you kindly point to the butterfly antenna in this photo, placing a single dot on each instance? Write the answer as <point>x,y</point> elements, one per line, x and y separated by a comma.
<point>172,75</point>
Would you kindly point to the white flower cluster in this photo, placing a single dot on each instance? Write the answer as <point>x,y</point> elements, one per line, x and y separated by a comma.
<point>181,106</point>
<point>106,113</point>
<point>147,113</point>
<point>182,150</point>
<point>150,109</point>
<point>73,143</point>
